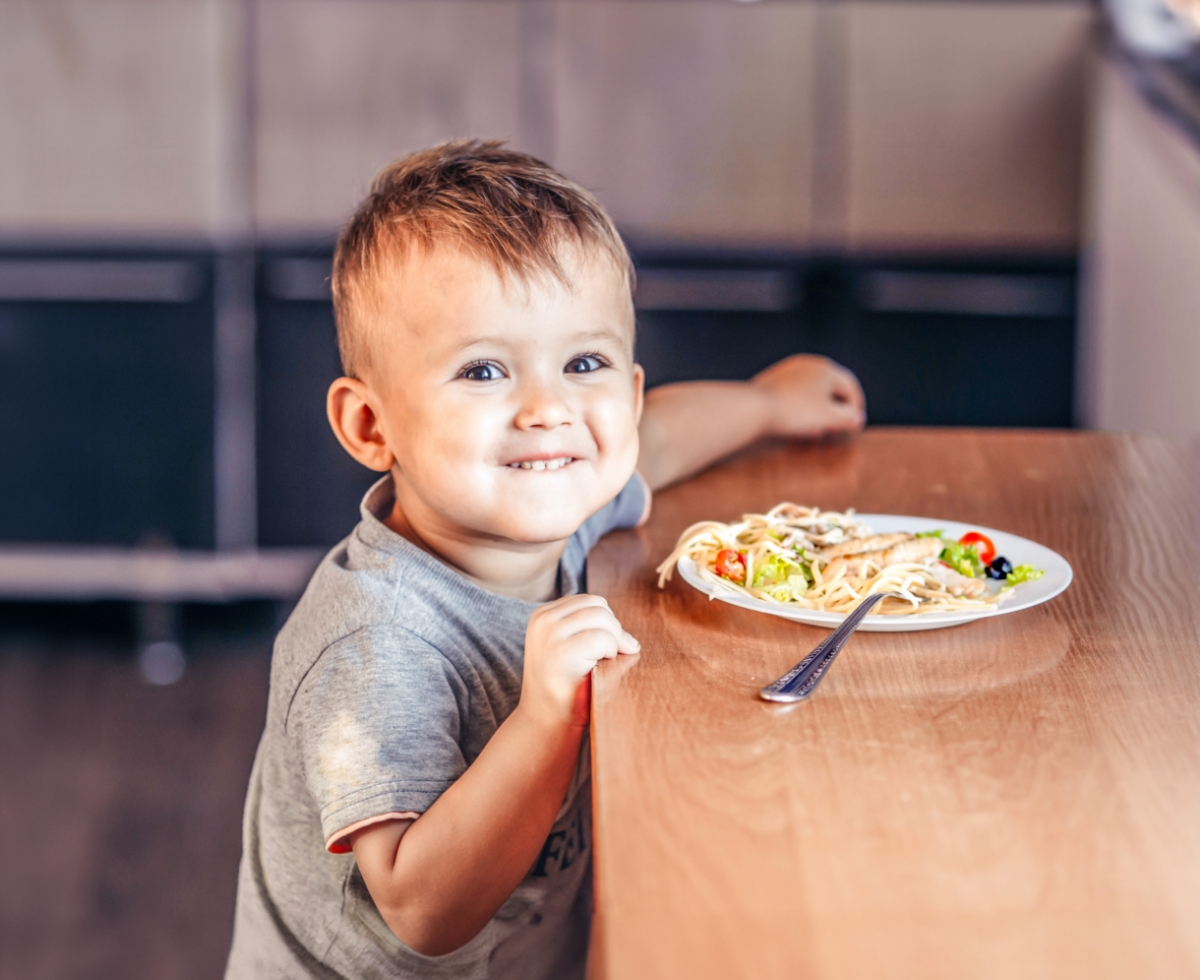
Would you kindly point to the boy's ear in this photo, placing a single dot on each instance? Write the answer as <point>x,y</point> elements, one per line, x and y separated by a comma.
<point>639,383</point>
<point>356,423</point>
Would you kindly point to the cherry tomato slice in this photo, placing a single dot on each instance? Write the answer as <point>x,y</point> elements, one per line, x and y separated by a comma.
<point>983,544</point>
<point>731,565</point>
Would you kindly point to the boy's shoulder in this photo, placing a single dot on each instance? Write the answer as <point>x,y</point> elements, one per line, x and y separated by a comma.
<point>375,586</point>
<point>374,594</point>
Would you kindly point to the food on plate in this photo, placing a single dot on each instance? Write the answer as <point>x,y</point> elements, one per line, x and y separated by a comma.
<point>1000,568</point>
<point>829,560</point>
<point>983,546</point>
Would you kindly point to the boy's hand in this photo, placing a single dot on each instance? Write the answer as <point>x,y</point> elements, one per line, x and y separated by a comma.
<point>811,396</point>
<point>564,641</point>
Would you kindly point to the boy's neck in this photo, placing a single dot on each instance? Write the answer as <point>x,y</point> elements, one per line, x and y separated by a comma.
<point>520,571</point>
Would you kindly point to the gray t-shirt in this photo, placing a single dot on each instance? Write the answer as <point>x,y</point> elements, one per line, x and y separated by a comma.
<point>387,681</point>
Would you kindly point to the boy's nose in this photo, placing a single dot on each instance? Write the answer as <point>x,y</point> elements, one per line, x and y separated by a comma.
<point>542,407</point>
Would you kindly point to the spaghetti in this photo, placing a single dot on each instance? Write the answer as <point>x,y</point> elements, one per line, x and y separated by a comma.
<point>828,561</point>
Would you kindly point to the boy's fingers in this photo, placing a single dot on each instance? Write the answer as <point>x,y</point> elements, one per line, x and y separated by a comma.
<point>598,618</point>
<point>846,387</point>
<point>581,601</point>
<point>561,608</point>
<point>841,416</point>
<point>849,414</point>
<point>589,617</point>
<point>594,645</point>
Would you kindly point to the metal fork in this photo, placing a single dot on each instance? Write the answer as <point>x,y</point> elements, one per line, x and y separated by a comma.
<point>799,682</point>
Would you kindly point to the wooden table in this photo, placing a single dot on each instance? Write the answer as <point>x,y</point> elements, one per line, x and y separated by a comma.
<point>1018,797</point>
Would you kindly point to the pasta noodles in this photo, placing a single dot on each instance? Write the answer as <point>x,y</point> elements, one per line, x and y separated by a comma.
<point>828,561</point>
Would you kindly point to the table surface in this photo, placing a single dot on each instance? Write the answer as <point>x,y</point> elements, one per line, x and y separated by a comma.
<point>1014,797</point>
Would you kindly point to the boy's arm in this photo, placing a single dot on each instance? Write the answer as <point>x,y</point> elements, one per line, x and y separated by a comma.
<point>687,426</point>
<point>437,880</point>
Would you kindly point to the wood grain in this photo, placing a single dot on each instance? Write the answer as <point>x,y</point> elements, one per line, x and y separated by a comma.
<point>1013,797</point>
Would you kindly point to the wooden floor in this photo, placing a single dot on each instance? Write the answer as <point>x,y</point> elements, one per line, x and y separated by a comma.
<point>120,803</point>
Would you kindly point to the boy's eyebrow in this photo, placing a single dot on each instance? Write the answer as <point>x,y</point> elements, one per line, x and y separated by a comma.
<point>617,335</point>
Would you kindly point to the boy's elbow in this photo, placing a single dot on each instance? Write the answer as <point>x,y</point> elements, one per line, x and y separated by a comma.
<point>420,909</point>
<point>423,930</point>
<point>410,928</point>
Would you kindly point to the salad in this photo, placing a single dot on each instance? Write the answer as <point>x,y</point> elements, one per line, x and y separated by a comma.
<point>830,560</point>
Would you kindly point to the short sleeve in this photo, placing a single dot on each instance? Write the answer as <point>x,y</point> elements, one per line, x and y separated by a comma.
<point>377,723</point>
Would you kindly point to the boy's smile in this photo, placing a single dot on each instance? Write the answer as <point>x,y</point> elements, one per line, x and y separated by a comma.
<point>510,408</point>
<point>540,463</point>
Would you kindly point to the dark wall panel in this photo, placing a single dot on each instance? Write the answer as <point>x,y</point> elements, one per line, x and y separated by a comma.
<point>308,487</point>
<point>944,343</point>
<point>106,415</point>
<point>106,407</point>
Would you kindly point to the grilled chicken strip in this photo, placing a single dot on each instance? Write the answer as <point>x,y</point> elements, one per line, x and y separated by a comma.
<point>914,549</point>
<point>859,546</point>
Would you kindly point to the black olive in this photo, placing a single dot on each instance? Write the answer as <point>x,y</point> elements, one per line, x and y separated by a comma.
<point>999,568</point>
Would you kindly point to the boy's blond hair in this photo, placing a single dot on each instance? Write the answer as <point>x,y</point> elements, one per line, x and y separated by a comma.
<point>507,208</point>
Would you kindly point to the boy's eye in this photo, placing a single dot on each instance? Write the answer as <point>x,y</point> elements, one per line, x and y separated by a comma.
<point>482,371</point>
<point>585,364</point>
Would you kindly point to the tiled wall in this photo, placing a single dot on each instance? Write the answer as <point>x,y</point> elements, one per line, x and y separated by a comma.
<point>870,124</point>
<point>112,118</point>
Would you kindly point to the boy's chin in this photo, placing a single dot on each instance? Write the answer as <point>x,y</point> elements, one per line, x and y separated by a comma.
<point>539,528</point>
<point>535,520</point>
<point>546,514</point>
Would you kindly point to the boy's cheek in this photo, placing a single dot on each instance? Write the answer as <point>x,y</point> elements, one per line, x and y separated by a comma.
<point>448,438</point>
<point>619,429</point>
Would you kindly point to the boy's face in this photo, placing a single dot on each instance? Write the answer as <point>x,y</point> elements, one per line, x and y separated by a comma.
<point>512,409</point>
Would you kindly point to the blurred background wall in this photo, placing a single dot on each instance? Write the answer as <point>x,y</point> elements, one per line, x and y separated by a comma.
<point>895,184</point>
<point>787,124</point>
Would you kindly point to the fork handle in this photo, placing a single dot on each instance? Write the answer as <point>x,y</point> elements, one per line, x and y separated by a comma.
<point>799,682</point>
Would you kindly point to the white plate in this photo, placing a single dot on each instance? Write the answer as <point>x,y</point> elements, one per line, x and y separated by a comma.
<point>1019,551</point>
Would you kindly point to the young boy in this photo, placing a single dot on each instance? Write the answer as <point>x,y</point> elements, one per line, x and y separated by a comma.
<point>419,805</point>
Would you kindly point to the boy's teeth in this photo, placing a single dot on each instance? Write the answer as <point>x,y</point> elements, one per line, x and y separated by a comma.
<point>544,464</point>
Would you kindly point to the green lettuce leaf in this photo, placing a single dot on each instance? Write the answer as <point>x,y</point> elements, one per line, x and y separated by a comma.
<point>1023,573</point>
<point>782,578</point>
<point>963,558</point>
